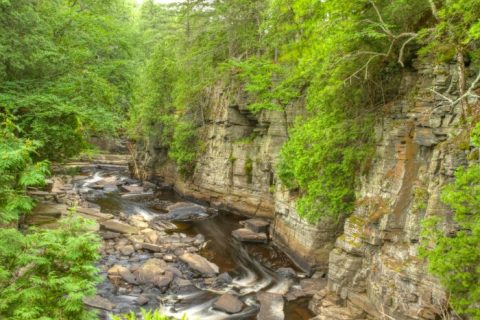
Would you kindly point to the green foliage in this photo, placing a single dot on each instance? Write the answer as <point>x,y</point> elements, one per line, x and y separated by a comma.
<point>455,258</point>
<point>456,30</point>
<point>183,148</point>
<point>17,172</point>
<point>46,273</point>
<point>146,315</point>
<point>261,78</point>
<point>322,158</point>
<point>62,73</point>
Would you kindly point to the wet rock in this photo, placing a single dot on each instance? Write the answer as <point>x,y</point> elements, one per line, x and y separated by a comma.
<point>118,226</point>
<point>247,235</point>
<point>174,270</point>
<point>137,223</point>
<point>164,281</point>
<point>183,285</point>
<point>142,300</point>
<point>151,236</point>
<point>126,250</point>
<point>184,211</point>
<point>133,188</point>
<point>98,302</point>
<point>224,278</point>
<point>271,306</point>
<point>287,272</point>
<point>200,264</point>
<point>257,225</point>
<point>169,258</point>
<point>117,271</point>
<point>107,235</point>
<point>228,303</point>
<point>153,247</point>
<point>151,271</point>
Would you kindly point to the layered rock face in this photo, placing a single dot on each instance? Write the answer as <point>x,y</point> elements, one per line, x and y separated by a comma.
<point>236,171</point>
<point>375,270</point>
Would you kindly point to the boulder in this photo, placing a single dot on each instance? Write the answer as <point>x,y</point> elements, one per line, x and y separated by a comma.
<point>127,250</point>
<point>247,235</point>
<point>184,211</point>
<point>118,271</point>
<point>228,303</point>
<point>133,188</point>
<point>153,272</point>
<point>118,226</point>
<point>142,300</point>
<point>257,225</point>
<point>98,302</point>
<point>199,264</point>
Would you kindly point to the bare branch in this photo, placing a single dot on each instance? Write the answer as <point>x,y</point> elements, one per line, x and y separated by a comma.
<point>434,9</point>
<point>380,18</point>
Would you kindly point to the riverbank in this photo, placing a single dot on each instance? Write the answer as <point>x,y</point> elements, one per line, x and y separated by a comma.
<point>160,251</point>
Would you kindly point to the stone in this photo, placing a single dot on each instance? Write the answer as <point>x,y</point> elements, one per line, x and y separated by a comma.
<point>133,188</point>
<point>247,235</point>
<point>151,271</point>
<point>142,300</point>
<point>152,247</point>
<point>228,303</point>
<point>199,264</point>
<point>118,271</point>
<point>99,302</point>
<point>118,226</point>
<point>50,209</point>
<point>271,306</point>
<point>257,225</point>
<point>184,211</point>
<point>93,213</point>
<point>224,278</point>
<point>107,235</point>
<point>126,250</point>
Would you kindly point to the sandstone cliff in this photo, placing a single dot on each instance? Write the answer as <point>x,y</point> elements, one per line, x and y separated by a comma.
<point>373,267</point>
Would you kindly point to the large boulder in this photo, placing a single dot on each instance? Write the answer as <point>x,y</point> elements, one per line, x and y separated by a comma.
<point>153,272</point>
<point>257,225</point>
<point>200,264</point>
<point>247,235</point>
<point>228,303</point>
<point>184,211</point>
<point>118,226</point>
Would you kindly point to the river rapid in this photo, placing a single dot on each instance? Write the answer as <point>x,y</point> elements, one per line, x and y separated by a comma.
<point>246,270</point>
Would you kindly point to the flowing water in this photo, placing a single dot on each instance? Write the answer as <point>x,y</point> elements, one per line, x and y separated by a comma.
<point>251,266</point>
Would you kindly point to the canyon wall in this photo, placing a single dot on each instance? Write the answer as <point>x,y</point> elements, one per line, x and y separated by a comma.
<point>235,171</point>
<point>373,266</point>
<point>375,270</point>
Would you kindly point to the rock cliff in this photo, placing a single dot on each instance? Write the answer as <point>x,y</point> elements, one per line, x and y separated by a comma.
<point>374,270</point>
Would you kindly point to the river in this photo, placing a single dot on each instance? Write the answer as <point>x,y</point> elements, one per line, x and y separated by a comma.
<point>253,268</point>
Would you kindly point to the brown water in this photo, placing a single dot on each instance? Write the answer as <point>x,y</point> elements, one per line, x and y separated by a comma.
<point>252,266</point>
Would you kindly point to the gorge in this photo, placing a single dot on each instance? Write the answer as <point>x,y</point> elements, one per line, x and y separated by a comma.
<point>240,159</point>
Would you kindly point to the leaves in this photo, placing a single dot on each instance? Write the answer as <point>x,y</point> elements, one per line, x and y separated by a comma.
<point>455,258</point>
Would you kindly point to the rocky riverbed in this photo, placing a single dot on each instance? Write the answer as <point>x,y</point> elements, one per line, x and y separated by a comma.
<point>161,251</point>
